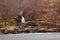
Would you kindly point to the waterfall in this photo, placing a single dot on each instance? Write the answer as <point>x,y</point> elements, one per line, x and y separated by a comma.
<point>21,12</point>
<point>22,18</point>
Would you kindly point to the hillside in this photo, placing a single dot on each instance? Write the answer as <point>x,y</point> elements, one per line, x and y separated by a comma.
<point>42,9</point>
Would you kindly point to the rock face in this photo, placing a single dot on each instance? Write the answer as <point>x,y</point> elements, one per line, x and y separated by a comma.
<point>45,10</point>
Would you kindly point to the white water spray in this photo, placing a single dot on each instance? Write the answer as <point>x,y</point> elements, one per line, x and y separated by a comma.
<point>23,19</point>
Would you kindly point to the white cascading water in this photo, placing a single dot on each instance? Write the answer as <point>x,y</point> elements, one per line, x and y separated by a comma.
<point>23,19</point>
